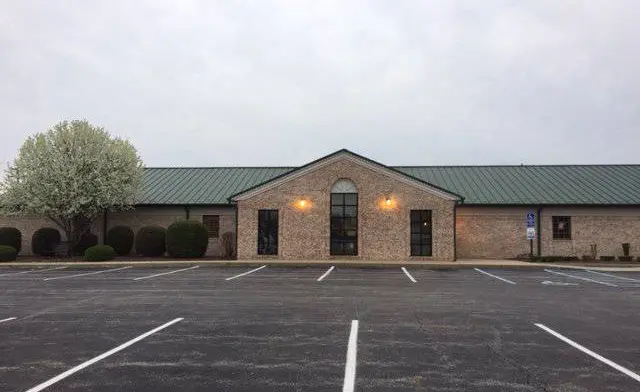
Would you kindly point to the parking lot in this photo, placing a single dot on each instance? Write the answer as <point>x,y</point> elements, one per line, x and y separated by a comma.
<point>204,328</point>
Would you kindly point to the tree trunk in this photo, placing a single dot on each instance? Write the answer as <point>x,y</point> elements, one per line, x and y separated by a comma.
<point>81,226</point>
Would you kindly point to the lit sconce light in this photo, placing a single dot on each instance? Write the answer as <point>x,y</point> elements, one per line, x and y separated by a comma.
<point>387,203</point>
<point>302,204</point>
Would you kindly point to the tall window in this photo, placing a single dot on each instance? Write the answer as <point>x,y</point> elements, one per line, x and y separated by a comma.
<point>344,219</point>
<point>212,224</point>
<point>561,227</point>
<point>267,232</point>
<point>421,233</point>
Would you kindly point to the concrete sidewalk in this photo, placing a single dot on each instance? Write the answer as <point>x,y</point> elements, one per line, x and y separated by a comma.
<point>460,264</point>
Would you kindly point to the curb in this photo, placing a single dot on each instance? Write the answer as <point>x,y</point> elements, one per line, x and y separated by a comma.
<point>327,263</point>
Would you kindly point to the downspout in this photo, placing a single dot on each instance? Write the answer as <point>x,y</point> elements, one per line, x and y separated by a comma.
<point>235,251</point>
<point>104,227</point>
<point>455,247</point>
<point>455,228</point>
<point>187,212</point>
<point>539,231</point>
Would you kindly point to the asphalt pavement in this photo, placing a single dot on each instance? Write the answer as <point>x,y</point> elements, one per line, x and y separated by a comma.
<point>289,329</point>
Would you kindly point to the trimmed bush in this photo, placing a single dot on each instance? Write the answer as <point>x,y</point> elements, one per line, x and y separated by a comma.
<point>120,238</point>
<point>551,259</point>
<point>12,237</point>
<point>187,239</point>
<point>99,253</point>
<point>150,241</point>
<point>625,258</point>
<point>44,241</point>
<point>8,253</point>
<point>607,258</point>
<point>227,244</point>
<point>86,241</point>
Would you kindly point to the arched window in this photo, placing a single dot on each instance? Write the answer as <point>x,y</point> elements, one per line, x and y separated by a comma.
<point>344,186</point>
<point>344,218</point>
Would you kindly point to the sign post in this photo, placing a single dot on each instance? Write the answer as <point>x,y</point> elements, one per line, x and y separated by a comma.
<point>531,230</point>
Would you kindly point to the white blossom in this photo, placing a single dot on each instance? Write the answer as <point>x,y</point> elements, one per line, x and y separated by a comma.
<point>71,174</point>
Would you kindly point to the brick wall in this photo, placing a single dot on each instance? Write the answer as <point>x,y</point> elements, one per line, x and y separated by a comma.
<point>27,226</point>
<point>491,232</point>
<point>164,216</point>
<point>141,216</point>
<point>499,232</point>
<point>382,234</point>
<point>606,227</point>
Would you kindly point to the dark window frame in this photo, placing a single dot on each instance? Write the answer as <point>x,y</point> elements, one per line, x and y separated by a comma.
<point>561,227</point>
<point>421,238</point>
<point>268,227</point>
<point>212,224</point>
<point>343,215</point>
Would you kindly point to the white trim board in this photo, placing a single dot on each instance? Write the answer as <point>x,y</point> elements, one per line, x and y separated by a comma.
<point>345,155</point>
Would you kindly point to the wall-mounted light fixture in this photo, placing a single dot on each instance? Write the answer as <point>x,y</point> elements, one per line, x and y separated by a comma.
<point>387,202</point>
<point>302,204</point>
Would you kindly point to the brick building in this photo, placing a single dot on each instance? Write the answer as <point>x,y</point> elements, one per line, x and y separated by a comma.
<point>347,206</point>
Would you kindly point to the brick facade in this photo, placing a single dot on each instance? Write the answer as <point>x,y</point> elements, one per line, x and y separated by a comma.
<point>606,227</point>
<point>499,232</point>
<point>137,218</point>
<point>491,232</point>
<point>383,234</point>
<point>166,215</point>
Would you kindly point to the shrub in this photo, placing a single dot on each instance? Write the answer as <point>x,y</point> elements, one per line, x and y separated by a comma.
<point>607,258</point>
<point>8,253</point>
<point>86,240</point>
<point>99,253</point>
<point>550,259</point>
<point>625,258</point>
<point>12,237</point>
<point>120,238</point>
<point>187,239</point>
<point>227,244</point>
<point>44,241</point>
<point>150,241</point>
<point>570,258</point>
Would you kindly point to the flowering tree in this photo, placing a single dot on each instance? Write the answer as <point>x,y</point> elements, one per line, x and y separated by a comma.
<point>72,174</point>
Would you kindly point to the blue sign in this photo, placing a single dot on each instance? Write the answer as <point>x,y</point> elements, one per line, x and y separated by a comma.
<point>531,219</point>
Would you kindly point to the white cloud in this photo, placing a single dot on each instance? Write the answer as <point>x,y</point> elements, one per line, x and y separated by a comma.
<point>284,82</point>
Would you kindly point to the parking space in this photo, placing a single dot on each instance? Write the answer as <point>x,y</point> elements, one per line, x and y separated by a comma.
<point>285,329</point>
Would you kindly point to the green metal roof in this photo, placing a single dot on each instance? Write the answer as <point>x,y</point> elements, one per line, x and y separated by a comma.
<point>563,184</point>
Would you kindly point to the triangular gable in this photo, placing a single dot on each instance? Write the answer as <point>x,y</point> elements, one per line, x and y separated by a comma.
<point>357,159</point>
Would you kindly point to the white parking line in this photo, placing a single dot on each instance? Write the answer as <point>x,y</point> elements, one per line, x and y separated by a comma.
<point>494,276</point>
<point>350,365</point>
<point>408,274</point>
<point>580,277</point>
<point>88,273</point>
<point>614,276</point>
<point>589,352</point>
<point>7,319</point>
<point>34,270</point>
<point>246,273</point>
<point>326,273</point>
<point>166,273</point>
<point>100,357</point>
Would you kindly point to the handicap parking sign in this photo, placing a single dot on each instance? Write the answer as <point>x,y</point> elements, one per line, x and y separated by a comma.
<point>531,219</point>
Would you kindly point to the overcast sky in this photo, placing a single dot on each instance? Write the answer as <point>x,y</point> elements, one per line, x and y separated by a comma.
<point>243,83</point>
